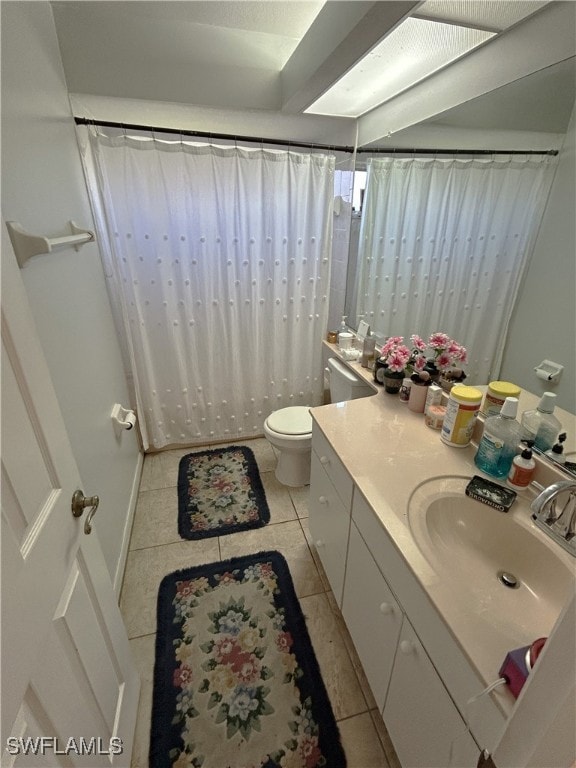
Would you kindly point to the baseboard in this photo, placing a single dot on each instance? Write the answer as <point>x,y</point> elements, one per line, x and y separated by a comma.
<point>119,575</point>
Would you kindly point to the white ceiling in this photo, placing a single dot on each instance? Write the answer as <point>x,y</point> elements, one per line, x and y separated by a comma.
<point>243,54</point>
<point>213,53</point>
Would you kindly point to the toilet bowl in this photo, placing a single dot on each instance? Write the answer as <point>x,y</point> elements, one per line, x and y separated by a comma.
<point>289,430</point>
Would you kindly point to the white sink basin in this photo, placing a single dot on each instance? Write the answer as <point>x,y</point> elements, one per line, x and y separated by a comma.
<point>475,551</point>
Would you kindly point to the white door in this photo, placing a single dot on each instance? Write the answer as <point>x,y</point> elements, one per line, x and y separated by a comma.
<point>67,670</point>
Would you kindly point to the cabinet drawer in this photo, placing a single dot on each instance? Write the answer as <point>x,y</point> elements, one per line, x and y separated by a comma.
<point>329,524</point>
<point>333,466</point>
<point>424,724</point>
<point>372,615</point>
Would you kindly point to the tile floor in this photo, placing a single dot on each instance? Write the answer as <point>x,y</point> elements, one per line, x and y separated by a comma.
<point>156,549</point>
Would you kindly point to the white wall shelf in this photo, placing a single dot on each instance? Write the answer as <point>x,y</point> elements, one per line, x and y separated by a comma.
<point>26,245</point>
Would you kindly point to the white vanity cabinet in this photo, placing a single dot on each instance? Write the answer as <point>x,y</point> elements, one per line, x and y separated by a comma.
<point>421,718</point>
<point>421,679</point>
<point>372,615</point>
<point>330,500</point>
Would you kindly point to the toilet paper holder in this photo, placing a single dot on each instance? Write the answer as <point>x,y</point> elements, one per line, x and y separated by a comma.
<point>123,418</point>
<point>549,371</point>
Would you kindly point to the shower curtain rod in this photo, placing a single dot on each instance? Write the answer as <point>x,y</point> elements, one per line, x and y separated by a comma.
<point>307,145</point>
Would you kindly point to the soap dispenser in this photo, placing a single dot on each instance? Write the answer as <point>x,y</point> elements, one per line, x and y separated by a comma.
<point>540,424</point>
<point>522,470</point>
<point>499,441</point>
<point>556,453</point>
<point>345,338</point>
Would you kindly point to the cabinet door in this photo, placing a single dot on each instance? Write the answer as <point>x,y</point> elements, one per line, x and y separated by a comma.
<point>372,615</point>
<point>425,727</point>
<point>329,523</point>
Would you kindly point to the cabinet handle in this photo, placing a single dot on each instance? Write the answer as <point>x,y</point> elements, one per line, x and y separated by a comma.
<point>407,647</point>
<point>386,608</point>
<point>324,460</point>
<point>323,500</point>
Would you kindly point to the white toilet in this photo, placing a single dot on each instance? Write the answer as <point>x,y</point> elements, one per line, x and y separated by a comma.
<point>289,430</point>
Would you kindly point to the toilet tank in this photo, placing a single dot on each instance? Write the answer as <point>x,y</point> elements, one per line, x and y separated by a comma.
<point>344,384</point>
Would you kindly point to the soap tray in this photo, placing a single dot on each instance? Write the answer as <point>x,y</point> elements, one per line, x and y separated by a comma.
<point>492,494</point>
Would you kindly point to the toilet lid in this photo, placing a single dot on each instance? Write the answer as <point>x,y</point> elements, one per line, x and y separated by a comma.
<point>295,420</point>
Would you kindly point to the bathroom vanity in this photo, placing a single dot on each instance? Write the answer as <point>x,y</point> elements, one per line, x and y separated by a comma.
<point>414,565</point>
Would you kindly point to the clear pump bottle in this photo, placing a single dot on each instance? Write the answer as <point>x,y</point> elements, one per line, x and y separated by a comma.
<point>500,440</point>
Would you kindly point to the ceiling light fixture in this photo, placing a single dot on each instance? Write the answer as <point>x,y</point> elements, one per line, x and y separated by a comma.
<point>415,49</point>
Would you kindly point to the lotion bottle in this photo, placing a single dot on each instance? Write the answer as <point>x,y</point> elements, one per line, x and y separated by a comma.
<point>522,470</point>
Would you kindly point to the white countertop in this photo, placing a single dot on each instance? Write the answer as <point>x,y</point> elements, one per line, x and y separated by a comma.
<point>389,451</point>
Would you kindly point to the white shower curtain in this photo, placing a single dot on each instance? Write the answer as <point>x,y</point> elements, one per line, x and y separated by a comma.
<point>443,245</point>
<point>219,264</point>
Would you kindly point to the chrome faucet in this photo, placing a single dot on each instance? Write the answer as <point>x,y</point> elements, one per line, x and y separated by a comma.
<point>557,521</point>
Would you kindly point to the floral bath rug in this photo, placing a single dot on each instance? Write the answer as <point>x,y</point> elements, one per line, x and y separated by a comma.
<point>236,681</point>
<point>220,492</point>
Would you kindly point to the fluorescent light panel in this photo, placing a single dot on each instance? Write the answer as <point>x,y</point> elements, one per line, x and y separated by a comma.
<point>488,14</point>
<point>411,52</point>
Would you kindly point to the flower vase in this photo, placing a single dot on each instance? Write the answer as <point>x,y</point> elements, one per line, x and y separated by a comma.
<point>379,368</point>
<point>430,368</point>
<point>393,381</point>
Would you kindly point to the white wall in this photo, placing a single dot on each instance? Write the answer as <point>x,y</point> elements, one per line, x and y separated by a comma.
<point>543,325</point>
<point>42,188</point>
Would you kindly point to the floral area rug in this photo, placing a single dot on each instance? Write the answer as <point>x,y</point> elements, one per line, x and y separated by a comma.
<point>220,492</point>
<point>236,682</point>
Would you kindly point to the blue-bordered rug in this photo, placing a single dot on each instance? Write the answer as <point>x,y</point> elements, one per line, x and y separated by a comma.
<point>236,681</point>
<point>220,492</point>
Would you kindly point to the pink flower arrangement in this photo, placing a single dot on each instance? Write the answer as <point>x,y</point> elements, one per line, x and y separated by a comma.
<point>396,354</point>
<point>447,353</point>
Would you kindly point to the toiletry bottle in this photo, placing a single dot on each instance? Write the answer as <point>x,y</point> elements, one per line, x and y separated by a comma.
<point>499,441</point>
<point>461,414</point>
<point>556,453</point>
<point>342,328</point>
<point>522,470</point>
<point>496,393</point>
<point>368,351</point>
<point>540,424</point>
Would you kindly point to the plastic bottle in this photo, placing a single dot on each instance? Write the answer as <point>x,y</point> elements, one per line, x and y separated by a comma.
<point>368,352</point>
<point>522,470</point>
<point>461,412</point>
<point>496,394</point>
<point>556,453</point>
<point>540,425</point>
<point>499,441</point>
